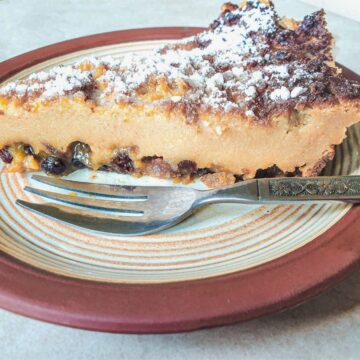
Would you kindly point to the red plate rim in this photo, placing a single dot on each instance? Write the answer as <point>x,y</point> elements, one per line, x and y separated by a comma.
<point>180,306</point>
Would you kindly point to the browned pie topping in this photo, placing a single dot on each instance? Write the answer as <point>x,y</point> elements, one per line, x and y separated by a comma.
<point>249,61</point>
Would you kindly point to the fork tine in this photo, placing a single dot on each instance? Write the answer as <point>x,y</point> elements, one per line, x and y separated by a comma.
<point>121,225</point>
<point>131,207</point>
<point>114,191</point>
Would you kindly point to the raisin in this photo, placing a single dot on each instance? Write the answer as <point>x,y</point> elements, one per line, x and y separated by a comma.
<point>78,164</point>
<point>53,165</point>
<point>5,155</point>
<point>106,168</point>
<point>80,155</point>
<point>204,171</point>
<point>297,172</point>
<point>187,167</point>
<point>28,150</point>
<point>270,172</point>
<point>122,163</point>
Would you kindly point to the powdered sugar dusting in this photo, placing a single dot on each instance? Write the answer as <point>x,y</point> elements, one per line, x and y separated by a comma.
<point>58,81</point>
<point>296,91</point>
<point>226,68</point>
<point>64,79</point>
<point>282,93</point>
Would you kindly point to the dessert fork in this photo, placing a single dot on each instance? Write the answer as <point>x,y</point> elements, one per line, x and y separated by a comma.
<point>139,210</point>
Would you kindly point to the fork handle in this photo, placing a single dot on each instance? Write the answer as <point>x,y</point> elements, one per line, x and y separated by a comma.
<point>335,188</point>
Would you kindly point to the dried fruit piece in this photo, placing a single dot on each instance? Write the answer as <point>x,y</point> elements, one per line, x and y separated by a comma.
<point>122,163</point>
<point>106,168</point>
<point>270,172</point>
<point>5,155</point>
<point>80,155</point>
<point>187,167</point>
<point>53,165</point>
<point>204,171</point>
<point>28,150</point>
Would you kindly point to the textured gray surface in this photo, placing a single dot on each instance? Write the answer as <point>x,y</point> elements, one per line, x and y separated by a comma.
<point>327,327</point>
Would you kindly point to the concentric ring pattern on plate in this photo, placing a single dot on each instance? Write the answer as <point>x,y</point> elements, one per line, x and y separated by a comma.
<point>217,240</point>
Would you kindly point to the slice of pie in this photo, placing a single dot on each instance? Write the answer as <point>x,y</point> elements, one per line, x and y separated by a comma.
<point>253,92</point>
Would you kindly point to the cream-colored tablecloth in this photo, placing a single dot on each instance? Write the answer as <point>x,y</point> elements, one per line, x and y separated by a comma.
<point>327,327</point>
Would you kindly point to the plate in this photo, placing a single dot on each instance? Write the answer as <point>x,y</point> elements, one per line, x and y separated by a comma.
<point>227,263</point>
